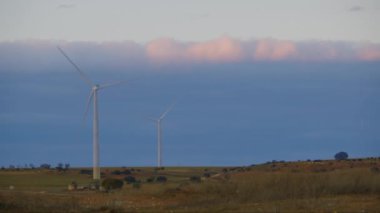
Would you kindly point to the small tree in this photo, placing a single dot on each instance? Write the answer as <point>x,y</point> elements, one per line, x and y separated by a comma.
<point>195,179</point>
<point>150,179</point>
<point>116,172</point>
<point>206,174</point>
<point>111,183</point>
<point>59,167</point>
<point>67,166</point>
<point>45,166</point>
<point>126,172</point>
<point>130,179</point>
<point>161,179</point>
<point>341,156</point>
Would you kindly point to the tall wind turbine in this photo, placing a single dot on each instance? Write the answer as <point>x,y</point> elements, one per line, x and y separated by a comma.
<point>159,134</point>
<point>95,125</point>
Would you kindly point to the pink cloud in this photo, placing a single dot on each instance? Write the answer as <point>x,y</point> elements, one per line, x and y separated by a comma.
<point>170,50</point>
<point>370,53</point>
<point>43,55</point>
<point>222,49</point>
<point>226,49</point>
<point>269,49</point>
<point>165,50</point>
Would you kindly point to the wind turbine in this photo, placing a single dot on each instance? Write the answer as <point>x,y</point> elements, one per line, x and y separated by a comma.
<point>159,134</point>
<point>95,125</point>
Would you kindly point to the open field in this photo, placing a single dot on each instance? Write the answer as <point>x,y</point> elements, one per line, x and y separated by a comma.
<point>307,186</point>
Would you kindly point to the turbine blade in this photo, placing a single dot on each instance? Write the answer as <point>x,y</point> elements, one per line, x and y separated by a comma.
<point>112,84</point>
<point>84,77</point>
<point>118,82</point>
<point>151,119</point>
<point>167,111</point>
<point>88,105</point>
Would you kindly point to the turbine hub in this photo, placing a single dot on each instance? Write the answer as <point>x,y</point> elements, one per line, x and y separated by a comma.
<point>95,87</point>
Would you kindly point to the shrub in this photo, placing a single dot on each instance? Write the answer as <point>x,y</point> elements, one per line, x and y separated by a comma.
<point>116,172</point>
<point>59,167</point>
<point>126,172</point>
<point>375,169</point>
<point>45,166</point>
<point>67,166</point>
<point>136,185</point>
<point>196,179</point>
<point>130,179</point>
<point>341,156</point>
<point>85,172</point>
<point>161,179</point>
<point>207,175</point>
<point>150,179</point>
<point>111,183</point>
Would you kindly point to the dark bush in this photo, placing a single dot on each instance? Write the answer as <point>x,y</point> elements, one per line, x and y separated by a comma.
<point>150,179</point>
<point>85,172</point>
<point>136,185</point>
<point>196,179</point>
<point>341,156</point>
<point>207,175</point>
<point>116,172</point>
<point>67,166</point>
<point>45,166</point>
<point>111,183</point>
<point>161,179</point>
<point>375,169</point>
<point>126,172</point>
<point>130,179</point>
<point>59,167</point>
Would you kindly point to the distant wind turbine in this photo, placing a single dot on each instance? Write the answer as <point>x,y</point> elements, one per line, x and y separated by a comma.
<point>95,126</point>
<point>159,134</point>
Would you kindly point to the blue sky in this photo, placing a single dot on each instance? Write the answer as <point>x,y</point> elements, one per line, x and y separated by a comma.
<point>254,81</point>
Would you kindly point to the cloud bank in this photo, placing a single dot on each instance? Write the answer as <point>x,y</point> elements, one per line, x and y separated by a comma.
<point>226,49</point>
<point>43,54</point>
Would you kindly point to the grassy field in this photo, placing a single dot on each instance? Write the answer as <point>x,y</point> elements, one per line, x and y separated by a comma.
<point>320,186</point>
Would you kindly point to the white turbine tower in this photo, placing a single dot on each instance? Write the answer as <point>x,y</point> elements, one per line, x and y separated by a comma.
<point>159,134</point>
<point>95,126</point>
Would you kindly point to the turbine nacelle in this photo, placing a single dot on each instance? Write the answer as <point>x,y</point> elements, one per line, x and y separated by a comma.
<point>95,87</point>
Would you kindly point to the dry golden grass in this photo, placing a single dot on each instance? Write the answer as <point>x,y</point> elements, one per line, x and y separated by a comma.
<point>327,186</point>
